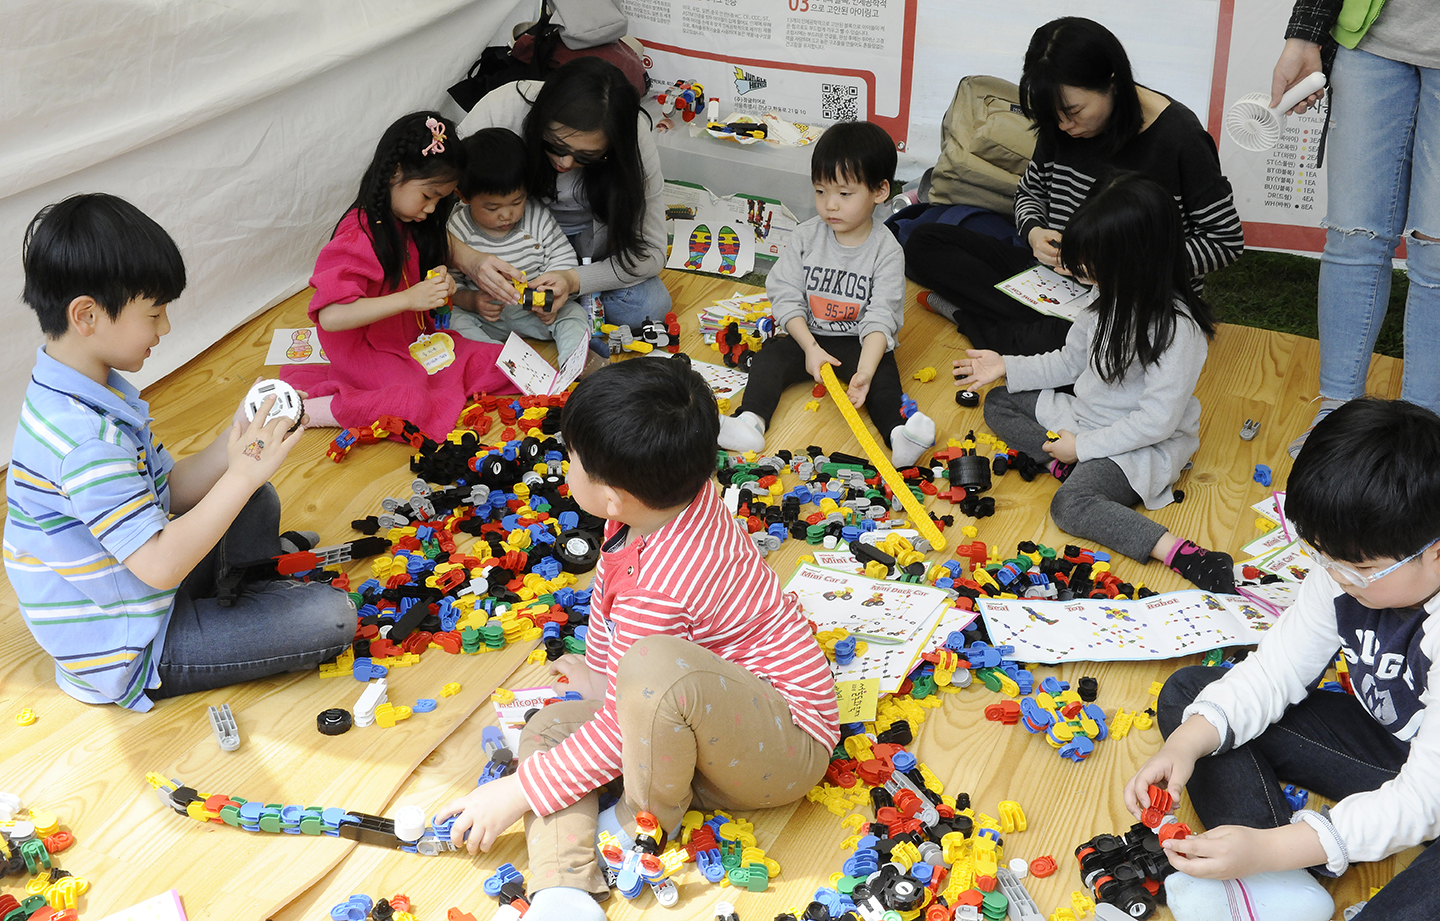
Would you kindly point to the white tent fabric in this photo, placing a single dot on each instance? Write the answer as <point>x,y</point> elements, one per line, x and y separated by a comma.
<point>241,128</point>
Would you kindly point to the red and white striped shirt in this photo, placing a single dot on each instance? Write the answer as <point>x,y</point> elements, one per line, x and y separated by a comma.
<point>700,578</point>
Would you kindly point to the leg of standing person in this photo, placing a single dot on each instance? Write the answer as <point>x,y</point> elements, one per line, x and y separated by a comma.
<point>270,628</point>
<point>1370,143</point>
<point>1327,744</point>
<point>779,365</point>
<point>1421,383</point>
<point>701,731</point>
<point>963,267</point>
<point>630,306</point>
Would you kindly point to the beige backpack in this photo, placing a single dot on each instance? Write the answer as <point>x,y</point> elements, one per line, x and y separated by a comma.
<point>985,145</point>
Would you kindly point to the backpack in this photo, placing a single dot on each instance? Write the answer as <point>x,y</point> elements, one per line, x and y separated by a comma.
<point>572,29</point>
<point>985,145</point>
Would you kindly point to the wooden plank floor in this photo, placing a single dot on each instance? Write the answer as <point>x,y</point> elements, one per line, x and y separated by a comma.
<point>88,763</point>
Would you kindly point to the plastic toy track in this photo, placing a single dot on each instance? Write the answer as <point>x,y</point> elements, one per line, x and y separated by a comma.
<point>918,516</point>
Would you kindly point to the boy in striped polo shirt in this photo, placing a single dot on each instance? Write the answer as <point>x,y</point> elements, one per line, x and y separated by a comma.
<point>519,236</point>
<point>117,591</point>
<point>702,684</point>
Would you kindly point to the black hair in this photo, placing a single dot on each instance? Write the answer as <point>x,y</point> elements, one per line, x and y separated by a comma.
<point>860,152</point>
<point>100,246</point>
<point>495,163</point>
<point>648,426</point>
<point>1129,239</point>
<point>1366,485</point>
<point>403,146</point>
<point>590,94</point>
<point>1072,51</point>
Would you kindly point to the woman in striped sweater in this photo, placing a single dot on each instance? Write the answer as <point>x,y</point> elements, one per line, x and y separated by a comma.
<point>1091,117</point>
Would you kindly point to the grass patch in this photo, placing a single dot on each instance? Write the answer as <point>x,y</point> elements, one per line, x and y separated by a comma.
<point>1278,291</point>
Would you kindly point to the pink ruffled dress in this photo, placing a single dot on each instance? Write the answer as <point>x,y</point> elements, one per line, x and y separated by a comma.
<point>371,371</point>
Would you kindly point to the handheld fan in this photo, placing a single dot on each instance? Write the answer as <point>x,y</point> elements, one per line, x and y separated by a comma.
<point>1253,125</point>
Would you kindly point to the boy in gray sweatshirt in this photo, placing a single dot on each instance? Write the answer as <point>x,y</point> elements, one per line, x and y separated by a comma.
<point>838,290</point>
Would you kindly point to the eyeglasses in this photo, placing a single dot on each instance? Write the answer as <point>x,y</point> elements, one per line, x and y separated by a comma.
<point>1353,577</point>
<point>581,157</point>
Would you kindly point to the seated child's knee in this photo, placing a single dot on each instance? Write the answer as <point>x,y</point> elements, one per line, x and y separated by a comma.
<point>1180,691</point>
<point>648,657</point>
<point>1068,509</point>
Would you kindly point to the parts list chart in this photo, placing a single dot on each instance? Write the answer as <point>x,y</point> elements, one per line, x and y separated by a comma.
<point>1293,181</point>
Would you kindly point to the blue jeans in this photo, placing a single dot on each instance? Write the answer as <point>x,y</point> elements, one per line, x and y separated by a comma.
<point>272,627</point>
<point>1384,185</point>
<point>1328,744</point>
<point>630,306</point>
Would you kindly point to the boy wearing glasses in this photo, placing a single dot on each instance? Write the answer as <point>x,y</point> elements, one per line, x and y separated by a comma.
<point>1365,495</point>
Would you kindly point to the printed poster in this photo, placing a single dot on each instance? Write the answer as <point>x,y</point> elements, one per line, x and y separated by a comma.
<point>717,247</point>
<point>810,61</point>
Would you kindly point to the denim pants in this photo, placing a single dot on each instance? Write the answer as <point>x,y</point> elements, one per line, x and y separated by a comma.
<point>697,732</point>
<point>630,306</point>
<point>272,627</point>
<point>1328,744</point>
<point>1384,185</point>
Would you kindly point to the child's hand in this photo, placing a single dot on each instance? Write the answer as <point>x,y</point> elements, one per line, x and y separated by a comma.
<point>859,387</point>
<point>579,677</point>
<point>548,315</point>
<point>431,293</point>
<point>1063,448</point>
<point>980,368</point>
<point>1167,769</point>
<point>1045,244</point>
<point>489,310</point>
<point>485,813</point>
<point>815,357</point>
<point>255,450</point>
<point>1223,852</point>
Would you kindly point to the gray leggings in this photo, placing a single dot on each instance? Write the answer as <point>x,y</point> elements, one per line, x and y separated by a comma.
<point>1095,501</point>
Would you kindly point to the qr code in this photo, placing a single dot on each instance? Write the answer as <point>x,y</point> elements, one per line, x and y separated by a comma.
<point>839,102</point>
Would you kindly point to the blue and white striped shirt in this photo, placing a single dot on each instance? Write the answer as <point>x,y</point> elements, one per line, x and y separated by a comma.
<point>87,487</point>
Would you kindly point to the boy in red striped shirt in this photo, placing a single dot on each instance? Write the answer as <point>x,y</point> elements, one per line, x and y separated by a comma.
<point>703,686</point>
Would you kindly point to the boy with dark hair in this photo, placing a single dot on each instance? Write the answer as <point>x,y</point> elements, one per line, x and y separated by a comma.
<point>114,589</point>
<point>520,237</point>
<point>695,659</point>
<point>838,289</point>
<point>1365,495</point>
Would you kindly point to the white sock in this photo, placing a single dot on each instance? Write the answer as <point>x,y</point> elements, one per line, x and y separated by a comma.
<point>745,432</point>
<point>564,903</point>
<point>607,821</point>
<point>909,442</point>
<point>1293,895</point>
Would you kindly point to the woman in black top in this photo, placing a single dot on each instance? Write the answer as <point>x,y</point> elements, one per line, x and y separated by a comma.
<point>1090,117</point>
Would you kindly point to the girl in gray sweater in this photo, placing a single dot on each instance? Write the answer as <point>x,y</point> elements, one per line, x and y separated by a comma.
<point>1132,359</point>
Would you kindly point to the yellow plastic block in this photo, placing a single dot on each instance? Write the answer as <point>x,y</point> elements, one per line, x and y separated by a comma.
<point>812,406</point>
<point>925,375</point>
<point>1012,817</point>
<point>878,457</point>
<point>1081,902</point>
<point>450,690</point>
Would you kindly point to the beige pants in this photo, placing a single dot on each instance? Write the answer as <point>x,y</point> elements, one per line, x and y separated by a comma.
<point>697,731</point>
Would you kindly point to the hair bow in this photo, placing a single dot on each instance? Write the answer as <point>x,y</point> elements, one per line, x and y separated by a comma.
<point>437,135</point>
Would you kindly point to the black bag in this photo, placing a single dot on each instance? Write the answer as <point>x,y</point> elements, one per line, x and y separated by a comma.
<point>498,65</point>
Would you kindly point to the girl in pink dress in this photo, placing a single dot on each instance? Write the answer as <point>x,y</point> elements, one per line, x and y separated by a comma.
<point>376,295</point>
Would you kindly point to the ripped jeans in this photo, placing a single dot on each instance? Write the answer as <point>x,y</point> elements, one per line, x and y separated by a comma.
<point>1384,185</point>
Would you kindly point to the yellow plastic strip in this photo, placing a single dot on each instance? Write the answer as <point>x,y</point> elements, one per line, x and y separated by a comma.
<point>918,516</point>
